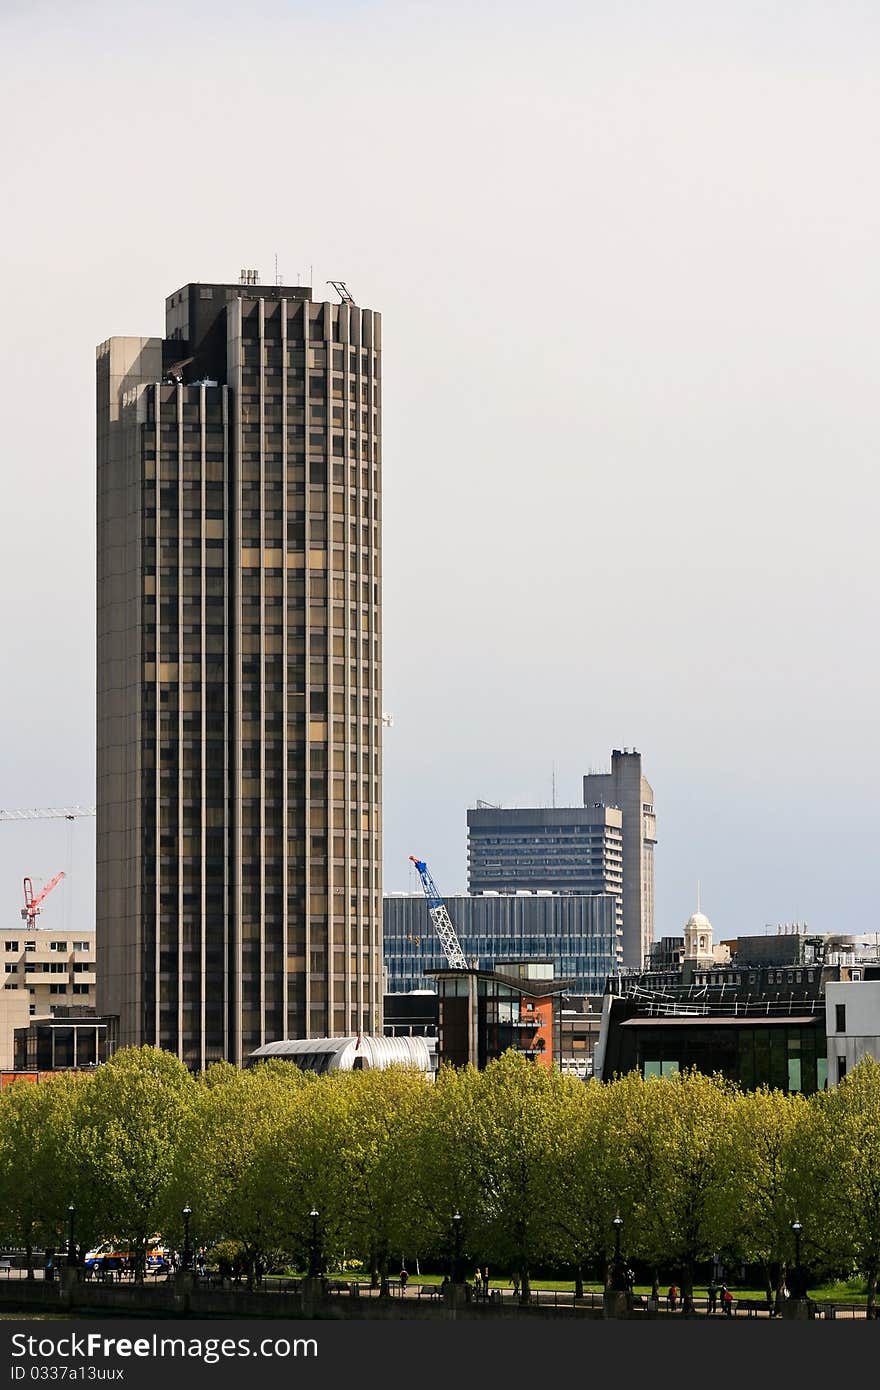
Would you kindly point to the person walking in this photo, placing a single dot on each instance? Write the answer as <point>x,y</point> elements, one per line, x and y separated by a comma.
<point>727,1302</point>
<point>712,1291</point>
<point>404,1277</point>
<point>672,1298</point>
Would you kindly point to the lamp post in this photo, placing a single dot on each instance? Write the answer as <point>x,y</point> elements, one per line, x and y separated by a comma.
<point>797,1228</point>
<point>456,1247</point>
<point>314,1247</point>
<point>617,1223</point>
<point>71,1248</point>
<point>186,1214</point>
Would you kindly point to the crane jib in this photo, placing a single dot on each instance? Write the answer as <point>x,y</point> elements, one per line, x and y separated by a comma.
<point>440,918</point>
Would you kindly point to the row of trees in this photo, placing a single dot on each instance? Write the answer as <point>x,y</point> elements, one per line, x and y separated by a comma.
<point>536,1164</point>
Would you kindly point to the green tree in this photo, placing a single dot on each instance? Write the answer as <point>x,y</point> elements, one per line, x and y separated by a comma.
<point>447,1169</point>
<point>379,1187</point>
<point>676,1133</point>
<point>226,1162</point>
<point>839,1159</point>
<point>36,1129</point>
<point>310,1174</point>
<point>129,1117</point>
<point>504,1146</point>
<point>765,1129</point>
<point>589,1179</point>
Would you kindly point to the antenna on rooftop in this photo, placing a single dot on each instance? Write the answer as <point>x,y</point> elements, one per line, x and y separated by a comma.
<point>340,288</point>
<point>277,276</point>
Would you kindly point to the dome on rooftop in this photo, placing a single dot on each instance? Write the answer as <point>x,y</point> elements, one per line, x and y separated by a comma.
<point>699,921</point>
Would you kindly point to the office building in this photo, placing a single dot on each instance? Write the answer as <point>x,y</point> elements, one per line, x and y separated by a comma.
<point>752,1041</point>
<point>45,973</point>
<point>793,1010</point>
<point>578,1020</point>
<point>577,932</point>
<point>484,1013</point>
<point>570,849</point>
<point>626,788</point>
<point>239,660</point>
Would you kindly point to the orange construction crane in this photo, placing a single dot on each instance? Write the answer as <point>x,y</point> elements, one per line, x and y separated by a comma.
<point>31,910</point>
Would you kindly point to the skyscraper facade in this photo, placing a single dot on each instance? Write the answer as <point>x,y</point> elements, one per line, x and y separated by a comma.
<point>239,672</point>
<point>626,788</point>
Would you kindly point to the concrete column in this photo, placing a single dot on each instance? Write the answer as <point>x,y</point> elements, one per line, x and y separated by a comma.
<point>798,1309</point>
<point>616,1303</point>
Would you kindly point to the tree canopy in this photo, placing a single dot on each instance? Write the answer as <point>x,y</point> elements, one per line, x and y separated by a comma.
<point>516,1167</point>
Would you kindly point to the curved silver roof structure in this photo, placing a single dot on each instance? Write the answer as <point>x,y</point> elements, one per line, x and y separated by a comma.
<point>369,1053</point>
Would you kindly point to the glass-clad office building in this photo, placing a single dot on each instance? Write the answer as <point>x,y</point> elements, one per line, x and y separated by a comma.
<point>577,932</point>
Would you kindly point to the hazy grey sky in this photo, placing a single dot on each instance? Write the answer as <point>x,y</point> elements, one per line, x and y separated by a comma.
<point>627,261</point>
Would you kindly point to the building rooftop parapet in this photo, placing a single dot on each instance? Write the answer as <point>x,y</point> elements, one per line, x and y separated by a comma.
<point>693,1002</point>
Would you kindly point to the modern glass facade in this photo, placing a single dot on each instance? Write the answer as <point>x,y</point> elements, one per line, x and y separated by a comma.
<point>577,932</point>
<point>785,1052</point>
<point>787,1057</point>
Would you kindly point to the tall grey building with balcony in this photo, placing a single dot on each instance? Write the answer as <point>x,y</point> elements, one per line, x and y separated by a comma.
<point>239,670</point>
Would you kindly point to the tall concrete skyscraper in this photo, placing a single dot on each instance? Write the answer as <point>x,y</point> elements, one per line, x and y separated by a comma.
<point>626,788</point>
<point>239,666</point>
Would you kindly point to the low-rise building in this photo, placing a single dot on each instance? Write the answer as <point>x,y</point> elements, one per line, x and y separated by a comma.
<point>484,1013</point>
<point>754,1042</point>
<point>360,1053</point>
<point>740,1008</point>
<point>45,971</point>
<point>74,1039</point>
<point>416,1014</point>
<point>852,1025</point>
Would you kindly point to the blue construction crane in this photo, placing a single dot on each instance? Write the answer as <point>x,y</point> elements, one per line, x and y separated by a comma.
<point>439,915</point>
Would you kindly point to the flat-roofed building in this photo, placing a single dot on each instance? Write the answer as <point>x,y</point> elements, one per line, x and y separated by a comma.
<point>852,1024</point>
<point>44,971</point>
<point>579,932</point>
<point>238,664</point>
<point>569,849</point>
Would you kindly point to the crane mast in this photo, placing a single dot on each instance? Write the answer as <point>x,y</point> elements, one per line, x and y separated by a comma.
<point>439,915</point>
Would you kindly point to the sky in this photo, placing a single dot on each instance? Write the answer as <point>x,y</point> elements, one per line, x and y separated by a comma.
<point>626,261</point>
